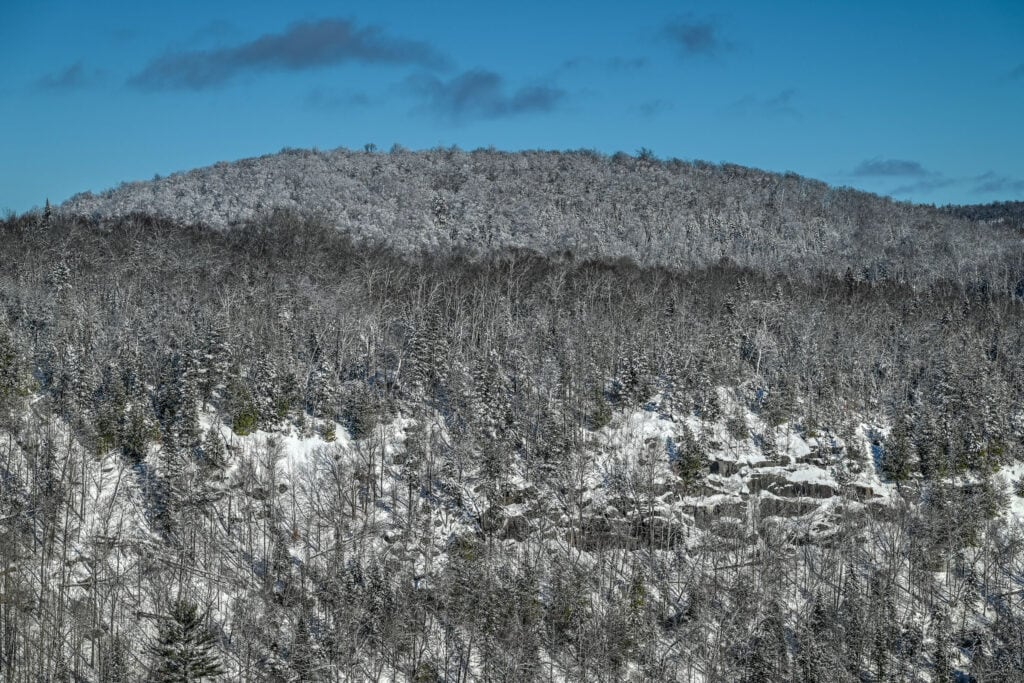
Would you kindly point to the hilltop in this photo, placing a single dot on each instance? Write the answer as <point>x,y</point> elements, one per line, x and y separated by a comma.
<point>582,204</point>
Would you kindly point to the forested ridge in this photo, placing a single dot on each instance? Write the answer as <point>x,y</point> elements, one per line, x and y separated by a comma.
<point>645,431</point>
<point>670,213</point>
<point>1008,213</point>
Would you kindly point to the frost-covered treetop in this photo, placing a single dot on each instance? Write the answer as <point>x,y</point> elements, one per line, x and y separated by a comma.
<point>668,213</point>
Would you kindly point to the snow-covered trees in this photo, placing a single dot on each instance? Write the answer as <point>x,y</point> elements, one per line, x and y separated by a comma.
<point>688,458</point>
<point>669,213</point>
<point>448,466</point>
<point>185,650</point>
<point>897,452</point>
<point>13,373</point>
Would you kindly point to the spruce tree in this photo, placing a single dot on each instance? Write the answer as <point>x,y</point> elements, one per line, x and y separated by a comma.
<point>688,458</point>
<point>895,460</point>
<point>113,660</point>
<point>185,650</point>
<point>942,669</point>
<point>852,619</point>
<point>12,372</point>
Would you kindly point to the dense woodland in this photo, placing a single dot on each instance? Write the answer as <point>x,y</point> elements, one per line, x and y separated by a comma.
<point>675,214</point>
<point>459,407</point>
<point>1007,213</point>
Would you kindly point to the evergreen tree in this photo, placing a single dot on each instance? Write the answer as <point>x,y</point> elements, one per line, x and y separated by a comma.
<point>778,405</point>
<point>362,414</point>
<point>769,444</point>
<point>942,669</point>
<point>895,461</point>
<point>707,404</point>
<point>216,361</point>
<point>492,389</point>
<point>635,381</point>
<point>137,426</point>
<point>815,656</point>
<point>12,372</point>
<point>215,454</point>
<point>185,650</point>
<point>303,654</point>
<point>113,660</point>
<point>883,624</point>
<point>688,458</point>
<point>769,656</point>
<point>851,617</point>
<point>929,451</point>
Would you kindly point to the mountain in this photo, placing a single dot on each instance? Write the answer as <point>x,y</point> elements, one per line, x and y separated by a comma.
<point>656,213</point>
<point>338,437</point>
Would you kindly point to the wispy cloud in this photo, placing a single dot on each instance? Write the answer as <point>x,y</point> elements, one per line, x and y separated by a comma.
<point>993,183</point>
<point>304,45</point>
<point>653,107</point>
<point>923,186</point>
<point>322,98</point>
<point>696,37</point>
<point>912,178</point>
<point>891,168</point>
<point>780,105</point>
<point>71,78</point>
<point>481,94</point>
<point>610,64</point>
<point>627,63</point>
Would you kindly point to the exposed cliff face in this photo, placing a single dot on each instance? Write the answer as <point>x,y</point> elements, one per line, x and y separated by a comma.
<point>620,492</point>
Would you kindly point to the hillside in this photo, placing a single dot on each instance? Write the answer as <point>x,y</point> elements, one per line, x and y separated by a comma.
<point>664,213</point>
<point>342,438</point>
<point>1004,213</point>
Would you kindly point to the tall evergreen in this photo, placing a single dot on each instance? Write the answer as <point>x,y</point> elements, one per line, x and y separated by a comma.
<point>896,453</point>
<point>185,650</point>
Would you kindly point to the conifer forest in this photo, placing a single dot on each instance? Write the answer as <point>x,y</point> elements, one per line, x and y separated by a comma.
<point>484,416</point>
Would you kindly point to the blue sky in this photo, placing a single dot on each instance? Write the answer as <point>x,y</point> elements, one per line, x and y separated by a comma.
<point>920,100</point>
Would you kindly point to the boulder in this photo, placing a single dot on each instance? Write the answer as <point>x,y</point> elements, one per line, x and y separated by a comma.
<point>724,468</point>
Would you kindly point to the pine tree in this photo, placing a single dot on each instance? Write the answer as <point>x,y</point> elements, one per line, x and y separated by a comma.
<point>361,413</point>
<point>942,670</point>
<point>137,426</point>
<point>852,619</point>
<point>883,624</point>
<point>769,656</point>
<point>216,362</point>
<point>215,453</point>
<point>769,444</point>
<point>929,452</point>
<point>303,654</point>
<point>185,650</point>
<point>491,387</point>
<point>688,458</point>
<point>895,461</point>
<point>635,380</point>
<point>12,372</point>
<point>113,660</point>
<point>778,406</point>
<point>707,404</point>
<point>176,404</point>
